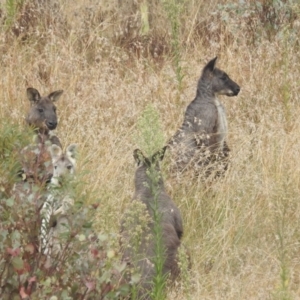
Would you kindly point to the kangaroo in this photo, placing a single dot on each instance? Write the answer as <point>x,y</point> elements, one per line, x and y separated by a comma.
<point>42,114</point>
<point>149,190</point>
<point>202,136</point>
<point>51,201</point>
<point>36,158</point>
<point>58,202</point>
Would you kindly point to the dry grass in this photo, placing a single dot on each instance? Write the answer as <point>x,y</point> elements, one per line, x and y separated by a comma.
<point>243,232</point>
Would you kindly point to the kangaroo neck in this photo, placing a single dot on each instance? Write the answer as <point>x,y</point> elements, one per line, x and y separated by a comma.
<point>144,185</point>
<point>204,90</point>
<point>42,137</point>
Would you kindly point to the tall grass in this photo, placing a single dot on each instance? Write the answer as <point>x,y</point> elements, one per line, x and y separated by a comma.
<point>150,139</point>
<point>243,233</point>
<point>159,280</point>
<point>174,9</point>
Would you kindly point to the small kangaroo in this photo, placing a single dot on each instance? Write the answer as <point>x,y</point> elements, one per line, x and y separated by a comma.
<point>170,222</point>
<point>35,158</point>
<point>58,202</point>
<point>42,114</point>
<point>202,136</point>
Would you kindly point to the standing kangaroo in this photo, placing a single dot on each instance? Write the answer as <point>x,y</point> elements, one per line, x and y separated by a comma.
<point>150,190</point>
<point>42,114</point>
<point>201,138</point>
<point>36,158</point>
<point>58,202</point>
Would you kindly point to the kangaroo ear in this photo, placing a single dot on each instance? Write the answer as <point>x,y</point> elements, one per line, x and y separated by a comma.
<point>159,155</point>
<point>55,151</point>
<point>138,156</point>
<point>33,95</point>
<point>72,152</point>
<point>54,96</point>
<point>210,65</point>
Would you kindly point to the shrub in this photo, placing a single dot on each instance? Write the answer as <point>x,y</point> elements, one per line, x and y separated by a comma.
<point>87,266</point>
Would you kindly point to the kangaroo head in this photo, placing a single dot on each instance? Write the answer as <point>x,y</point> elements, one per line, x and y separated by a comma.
<point>42,113</point>
<point>148,170</point>
<point>142,160</point>
<point>63,163</point>
<point>221,83</point>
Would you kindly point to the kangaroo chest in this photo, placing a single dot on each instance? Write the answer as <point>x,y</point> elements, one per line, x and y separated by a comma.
<point>222,126</point>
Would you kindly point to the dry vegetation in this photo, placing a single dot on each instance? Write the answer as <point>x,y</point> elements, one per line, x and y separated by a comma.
<point>243,232</point>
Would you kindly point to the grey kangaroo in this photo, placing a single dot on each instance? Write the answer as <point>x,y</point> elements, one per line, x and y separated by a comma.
<point>58,203</point>
<point>149,189</point>
<point>42,114</point>
<point>36,158</point>
<point>52,202</point>
<point>201,139</point>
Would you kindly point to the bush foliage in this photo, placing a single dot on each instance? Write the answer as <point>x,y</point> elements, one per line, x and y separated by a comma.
<point>87,266</point>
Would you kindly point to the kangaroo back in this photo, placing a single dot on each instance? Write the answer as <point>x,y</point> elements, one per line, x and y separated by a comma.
<point>149,190</point>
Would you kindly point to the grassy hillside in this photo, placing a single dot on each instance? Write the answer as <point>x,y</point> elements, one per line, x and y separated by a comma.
<point>113,59</point>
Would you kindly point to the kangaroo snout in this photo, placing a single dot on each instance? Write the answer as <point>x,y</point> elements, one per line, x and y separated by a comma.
<point>232,90</point>
<point>236,90</point>
<point>51,125</point>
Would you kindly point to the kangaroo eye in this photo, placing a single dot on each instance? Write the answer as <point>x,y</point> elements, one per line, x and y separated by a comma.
<point>224,77</point>
<point>69,167</point>
<point>41,110</point>
<point>55,167</point>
